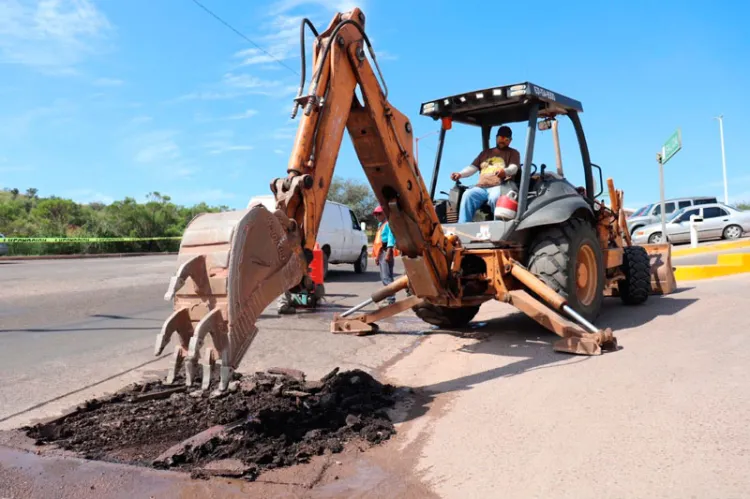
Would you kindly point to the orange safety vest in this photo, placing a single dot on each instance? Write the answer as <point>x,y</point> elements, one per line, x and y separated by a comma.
<point>377,244</point>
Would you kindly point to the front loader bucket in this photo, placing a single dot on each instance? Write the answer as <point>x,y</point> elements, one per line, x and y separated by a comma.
<point>663,281</point>
<point>231,266</point>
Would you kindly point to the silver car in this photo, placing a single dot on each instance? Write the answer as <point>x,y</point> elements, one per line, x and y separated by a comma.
<point>651,213</point>
<point>719,221</point>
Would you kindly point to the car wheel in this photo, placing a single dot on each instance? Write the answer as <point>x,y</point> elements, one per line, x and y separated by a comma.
<point>732,232</point>
<point>360,266</point>
<point>655,238</point>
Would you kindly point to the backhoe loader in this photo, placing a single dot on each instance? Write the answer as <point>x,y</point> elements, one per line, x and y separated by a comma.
<point>554,260</point>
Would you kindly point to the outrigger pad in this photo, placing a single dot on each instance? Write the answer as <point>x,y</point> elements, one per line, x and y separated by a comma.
<point>587,345</point>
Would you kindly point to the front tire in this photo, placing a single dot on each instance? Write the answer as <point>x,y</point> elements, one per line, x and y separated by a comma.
<point>732,232</point>
<point>360,266</point>
<point>636,266</point>
<point>655,238</point>
<point>446,317</point>
<point>567,257</point>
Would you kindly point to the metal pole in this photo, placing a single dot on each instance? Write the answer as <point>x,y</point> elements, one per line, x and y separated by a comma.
<point>558,155</point>
<point>661,196</point>
<point>723,158</point>
<point>436,168</point>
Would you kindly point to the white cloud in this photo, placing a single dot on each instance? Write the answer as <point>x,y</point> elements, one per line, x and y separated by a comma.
<point>108,82</point>
<point>60,110</point>
<point>278,151</point>
<point>208,196</point>
<point>384,55</point>
<point>247,114</point>
<point>157,147</point>
<point>86,196</point>
<point>52,36</point>
<point>221,142</point>
<point>332,6</point>
<point>233,86</point>
<point>288,131</point>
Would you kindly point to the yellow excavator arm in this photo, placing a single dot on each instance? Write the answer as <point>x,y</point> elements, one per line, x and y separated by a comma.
<point>232,265</point>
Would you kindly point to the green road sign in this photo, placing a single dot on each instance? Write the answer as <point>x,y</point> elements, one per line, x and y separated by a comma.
<point>671,146</point>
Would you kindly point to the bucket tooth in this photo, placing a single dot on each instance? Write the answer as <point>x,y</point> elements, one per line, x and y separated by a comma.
<point>179,322</point>
<point>194,268</point>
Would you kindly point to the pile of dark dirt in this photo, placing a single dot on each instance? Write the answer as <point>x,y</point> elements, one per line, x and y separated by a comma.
<point>265,420</point>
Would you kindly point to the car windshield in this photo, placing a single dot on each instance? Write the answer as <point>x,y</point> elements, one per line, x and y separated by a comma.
<point>674,215</point>
<point>641,211</point>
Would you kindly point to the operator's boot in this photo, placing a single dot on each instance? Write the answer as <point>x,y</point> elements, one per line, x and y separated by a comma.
<point>285,305</point>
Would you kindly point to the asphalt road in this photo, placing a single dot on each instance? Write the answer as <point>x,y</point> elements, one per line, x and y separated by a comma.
<point>496,411</point>
<point>70,328</point>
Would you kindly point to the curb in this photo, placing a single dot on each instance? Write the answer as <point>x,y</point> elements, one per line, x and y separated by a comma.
<point>80,257</point>
<point>712,248</point>
<point>737,263</point>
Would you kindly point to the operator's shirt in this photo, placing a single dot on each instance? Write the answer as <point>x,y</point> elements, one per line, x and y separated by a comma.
<point>497,159</point>
<point>389,240</point>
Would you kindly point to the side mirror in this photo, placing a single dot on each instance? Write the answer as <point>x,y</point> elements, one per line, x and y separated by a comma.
<point>362,226</point>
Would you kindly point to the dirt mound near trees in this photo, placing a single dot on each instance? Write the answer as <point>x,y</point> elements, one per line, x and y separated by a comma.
<point>265,420</point>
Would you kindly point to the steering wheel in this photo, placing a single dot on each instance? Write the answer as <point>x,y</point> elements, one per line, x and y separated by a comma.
<point>457,184</point>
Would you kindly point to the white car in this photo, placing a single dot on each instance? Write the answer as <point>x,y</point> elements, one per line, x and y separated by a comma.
<point>719,221</point>
<point>340,235</point>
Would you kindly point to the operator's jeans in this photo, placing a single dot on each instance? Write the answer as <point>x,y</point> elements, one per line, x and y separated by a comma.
<point>386,274</point>
<point>474,197</point>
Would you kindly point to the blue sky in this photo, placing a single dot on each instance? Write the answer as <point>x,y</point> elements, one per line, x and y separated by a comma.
<point>112,98</point>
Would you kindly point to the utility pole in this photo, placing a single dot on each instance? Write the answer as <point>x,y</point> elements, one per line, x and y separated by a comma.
<point>723,157</point>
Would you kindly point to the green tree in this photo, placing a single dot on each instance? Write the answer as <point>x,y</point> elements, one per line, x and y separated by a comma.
<point>357,195</point>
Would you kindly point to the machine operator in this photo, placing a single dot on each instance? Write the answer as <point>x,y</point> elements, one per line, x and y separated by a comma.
<point>497,167</point>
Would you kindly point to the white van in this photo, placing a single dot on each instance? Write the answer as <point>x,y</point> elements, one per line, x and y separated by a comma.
<point>340,234</point>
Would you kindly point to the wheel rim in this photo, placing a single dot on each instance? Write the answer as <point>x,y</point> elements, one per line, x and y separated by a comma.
<point>586,275</point>
<point>363,260</point>
<point>656,238</point>
<point>733,232</point>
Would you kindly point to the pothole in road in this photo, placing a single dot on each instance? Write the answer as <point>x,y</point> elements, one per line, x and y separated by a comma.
<point>265,420</point>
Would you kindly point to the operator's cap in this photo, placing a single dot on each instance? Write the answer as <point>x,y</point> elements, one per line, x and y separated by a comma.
<point>505,131</point>
<point>378,209</point>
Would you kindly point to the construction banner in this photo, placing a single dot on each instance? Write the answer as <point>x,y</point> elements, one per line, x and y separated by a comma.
<point>82,239</point>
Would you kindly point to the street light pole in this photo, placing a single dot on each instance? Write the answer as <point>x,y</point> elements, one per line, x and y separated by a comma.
<point>723,157</point>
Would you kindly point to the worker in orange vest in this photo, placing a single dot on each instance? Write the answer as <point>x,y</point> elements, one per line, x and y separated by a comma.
<point>383,248</point>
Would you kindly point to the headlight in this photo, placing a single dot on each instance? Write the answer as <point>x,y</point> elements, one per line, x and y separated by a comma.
<point>429,108</point>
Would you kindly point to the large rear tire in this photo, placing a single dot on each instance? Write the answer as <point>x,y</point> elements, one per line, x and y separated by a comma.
<point>446,317</point>
<point>636,286</point>
<point>567,257</point>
